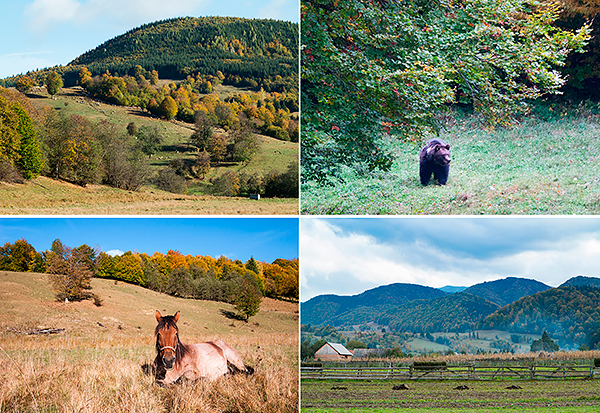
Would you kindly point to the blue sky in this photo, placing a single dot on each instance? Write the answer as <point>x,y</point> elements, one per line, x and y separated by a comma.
<point>347,256</point>
<point>265,239</point>
<point>44,33</point>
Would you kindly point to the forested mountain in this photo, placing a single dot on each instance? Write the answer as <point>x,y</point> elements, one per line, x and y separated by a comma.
<point>571,314</point>
<point>458,312</point>
<point>324,309</point>
<point>581,280</point>
<point>175,48</point>
<point>507,290</point>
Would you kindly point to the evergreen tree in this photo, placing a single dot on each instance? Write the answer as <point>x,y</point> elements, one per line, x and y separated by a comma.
<point>248,299</point>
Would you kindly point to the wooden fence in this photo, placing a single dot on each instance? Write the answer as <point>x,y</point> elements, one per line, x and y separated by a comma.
<point>464,372</point>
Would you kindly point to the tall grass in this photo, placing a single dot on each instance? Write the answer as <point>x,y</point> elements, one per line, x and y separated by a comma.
<point>548,164</point>
<point>70,374</point>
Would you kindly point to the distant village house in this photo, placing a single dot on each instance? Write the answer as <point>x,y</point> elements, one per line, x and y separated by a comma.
<point>333,351</point>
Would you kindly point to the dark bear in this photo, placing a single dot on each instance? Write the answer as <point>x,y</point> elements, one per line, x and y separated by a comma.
<point>434,159</point>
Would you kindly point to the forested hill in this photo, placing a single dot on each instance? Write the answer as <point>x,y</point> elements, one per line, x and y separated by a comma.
<point>570,314</point>
<point>582,280</point>
<point>507,290</point>
<point>323,309</point>
<point>175,48</point>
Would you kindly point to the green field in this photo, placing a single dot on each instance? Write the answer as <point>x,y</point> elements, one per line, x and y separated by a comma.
<point>545,165</point>
<point>378,396</point>
<point>98,364</point>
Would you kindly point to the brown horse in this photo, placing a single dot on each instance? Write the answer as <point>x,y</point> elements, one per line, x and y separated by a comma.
<point>175,360</point>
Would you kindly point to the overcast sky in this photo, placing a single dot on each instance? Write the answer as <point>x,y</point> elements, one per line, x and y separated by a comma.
<point>265,239</point>
<point>43,33</point>
<point>347,256</point>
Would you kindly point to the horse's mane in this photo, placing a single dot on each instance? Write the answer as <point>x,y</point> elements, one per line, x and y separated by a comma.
<point>181,350</point>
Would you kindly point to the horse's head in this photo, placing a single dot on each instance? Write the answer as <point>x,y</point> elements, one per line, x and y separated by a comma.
<point>167,339</point>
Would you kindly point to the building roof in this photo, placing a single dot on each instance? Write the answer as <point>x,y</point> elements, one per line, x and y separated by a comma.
<point>341,350</point>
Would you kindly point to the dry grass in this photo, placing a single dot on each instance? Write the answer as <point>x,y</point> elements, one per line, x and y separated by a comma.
<point>45,196</point>
<point>96,365</point>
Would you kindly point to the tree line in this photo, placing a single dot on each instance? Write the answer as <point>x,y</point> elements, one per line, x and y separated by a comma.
<point>188,276</point>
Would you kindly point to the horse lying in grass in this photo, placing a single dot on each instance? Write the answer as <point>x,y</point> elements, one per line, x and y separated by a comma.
<point>175,360</point>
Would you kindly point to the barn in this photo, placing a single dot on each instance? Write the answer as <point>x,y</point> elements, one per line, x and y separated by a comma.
<point>333,351</point>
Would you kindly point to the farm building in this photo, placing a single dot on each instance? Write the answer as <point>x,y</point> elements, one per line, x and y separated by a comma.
<point>333,351</point>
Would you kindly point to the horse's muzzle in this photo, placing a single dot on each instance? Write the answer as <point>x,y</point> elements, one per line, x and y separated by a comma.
<point>168,363</point>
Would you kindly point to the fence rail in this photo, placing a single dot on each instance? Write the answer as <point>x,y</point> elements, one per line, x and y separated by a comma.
<point>451,372</point>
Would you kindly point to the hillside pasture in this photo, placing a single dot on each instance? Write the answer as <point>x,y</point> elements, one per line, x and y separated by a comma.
<point>545,165</point>
<point>44,196</point>
<point>100,362</point>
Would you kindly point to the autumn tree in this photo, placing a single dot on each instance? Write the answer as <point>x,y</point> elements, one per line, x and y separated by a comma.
<point>24,84</point>
<point>84,77</point>
<point>53,83</point>
<point>70,272</point>
<point>202,165</point>
<point>388,66</point>
<point>217,147</point>
<point>168,108</point>
<point>129,268</point>
<point>21,256</point>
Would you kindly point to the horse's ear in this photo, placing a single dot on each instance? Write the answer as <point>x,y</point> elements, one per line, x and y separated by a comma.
<point>158,316</point>
<point>176,316</point>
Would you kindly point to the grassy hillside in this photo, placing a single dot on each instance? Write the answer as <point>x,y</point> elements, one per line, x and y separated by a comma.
<point>46,196</point>
<point>548,164</point>
<point>96,364</point>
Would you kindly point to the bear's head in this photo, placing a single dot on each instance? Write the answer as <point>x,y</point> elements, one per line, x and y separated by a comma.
<point>439,152</point>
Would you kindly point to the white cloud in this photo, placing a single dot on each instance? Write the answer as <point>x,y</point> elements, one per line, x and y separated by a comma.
<point>276,9</point>
<point>43,14</point>
<point>335,261</point>
<point>115,252</point>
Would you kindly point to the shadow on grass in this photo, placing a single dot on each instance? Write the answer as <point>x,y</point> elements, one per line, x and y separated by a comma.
<point>232,315</point>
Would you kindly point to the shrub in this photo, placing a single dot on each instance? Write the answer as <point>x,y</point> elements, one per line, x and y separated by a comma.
<point>8,172</point>
<point>169,181</point>
<point>227,184</point>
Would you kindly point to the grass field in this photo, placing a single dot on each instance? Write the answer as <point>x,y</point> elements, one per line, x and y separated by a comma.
<point>45,196</point>
<point>542,166</point>
<point>96,365</point>
<point>443,396</point>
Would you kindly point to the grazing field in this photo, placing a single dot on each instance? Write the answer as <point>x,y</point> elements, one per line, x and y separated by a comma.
<point>542,166</point>
<point>45,196</point>
<point>450,396</point>
<point>100,362</point>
